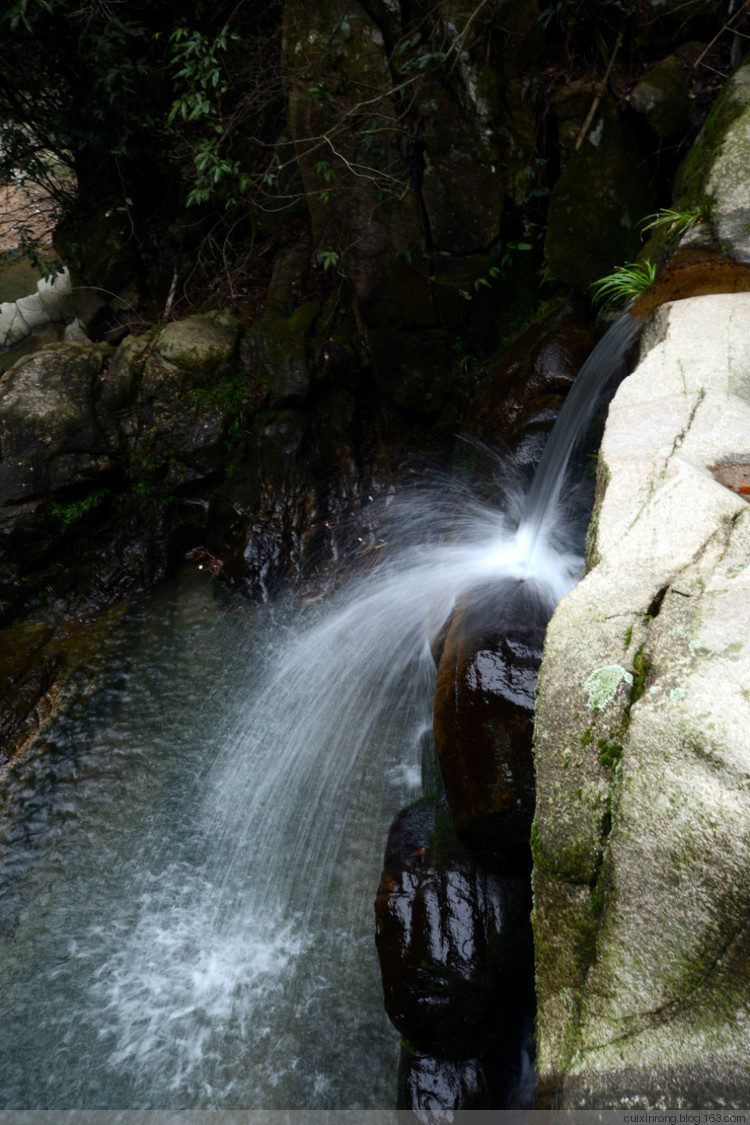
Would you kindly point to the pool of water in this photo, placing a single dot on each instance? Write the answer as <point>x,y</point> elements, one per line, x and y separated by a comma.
<point>188,873</point>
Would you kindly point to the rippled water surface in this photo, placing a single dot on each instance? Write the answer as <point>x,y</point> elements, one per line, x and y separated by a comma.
<point>190,858</point>
<point>148,956</point>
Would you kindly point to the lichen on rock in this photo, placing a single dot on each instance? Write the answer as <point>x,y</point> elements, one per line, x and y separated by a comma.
<point>601,686</point>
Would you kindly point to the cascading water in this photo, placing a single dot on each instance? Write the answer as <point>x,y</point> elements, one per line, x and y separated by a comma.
<point>593,386</point>
<point>192,854</point>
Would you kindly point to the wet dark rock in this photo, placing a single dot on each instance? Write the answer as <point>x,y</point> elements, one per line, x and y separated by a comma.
<point>410,369</point>
<point>454,943</point>
<point>520,396</point>
<point>430,1085</point>
<point>483,723</point>
<point>451,937</point>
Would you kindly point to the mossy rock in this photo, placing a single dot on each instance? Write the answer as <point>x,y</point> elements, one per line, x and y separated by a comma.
<point>275,355</point>
<point>595,207</point>
<point>663,96</point>
<point>201,344</point>
<point>714,173</point>
<point>50,435</point>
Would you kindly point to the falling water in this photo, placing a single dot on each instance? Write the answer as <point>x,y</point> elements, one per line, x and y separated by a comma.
<point>192,854</point>
<point>594,385</point>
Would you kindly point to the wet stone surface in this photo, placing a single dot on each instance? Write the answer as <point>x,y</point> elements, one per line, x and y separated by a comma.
<point>455,952</point>
<point>484,708</point>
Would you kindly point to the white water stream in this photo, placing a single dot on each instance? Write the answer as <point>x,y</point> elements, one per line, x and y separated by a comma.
<point>190,859</point>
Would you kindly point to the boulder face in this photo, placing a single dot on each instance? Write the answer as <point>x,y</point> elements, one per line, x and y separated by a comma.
<point>600,197</point>
<point>715,171</point>
<point>483,717</point>
<point>454,944</point>
<point>642,744</point>
<point>663,95</point>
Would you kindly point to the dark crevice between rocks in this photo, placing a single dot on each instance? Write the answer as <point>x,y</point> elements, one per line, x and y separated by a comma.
<point>655,606</point>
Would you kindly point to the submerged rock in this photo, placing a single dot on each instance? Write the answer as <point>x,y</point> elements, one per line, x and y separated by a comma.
<point>430,1085</point>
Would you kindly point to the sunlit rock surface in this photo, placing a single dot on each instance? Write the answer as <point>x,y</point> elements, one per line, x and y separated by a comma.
<point>641,853</point>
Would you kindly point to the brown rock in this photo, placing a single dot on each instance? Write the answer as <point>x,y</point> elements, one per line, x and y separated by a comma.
<point>483,724</point>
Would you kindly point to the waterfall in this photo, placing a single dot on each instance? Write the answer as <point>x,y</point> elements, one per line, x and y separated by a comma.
<point>195,851</point>
<point>593,386</point>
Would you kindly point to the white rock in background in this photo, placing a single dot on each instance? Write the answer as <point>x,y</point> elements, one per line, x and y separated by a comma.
<point>76,332</point>
<point>32,310</point>
<point>56,296</point>
<point>13,328</point>
<point>52,303</point>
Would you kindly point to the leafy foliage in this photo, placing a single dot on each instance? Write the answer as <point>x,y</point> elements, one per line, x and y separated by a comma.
<point>70,513</point>
<point>624,283</point>
<point>118,105</point>
<point>677,222</point>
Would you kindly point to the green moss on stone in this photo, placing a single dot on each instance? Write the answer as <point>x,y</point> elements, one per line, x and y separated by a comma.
<point>610,752</point>
<point>690,181</point>
<point>641,669</point>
